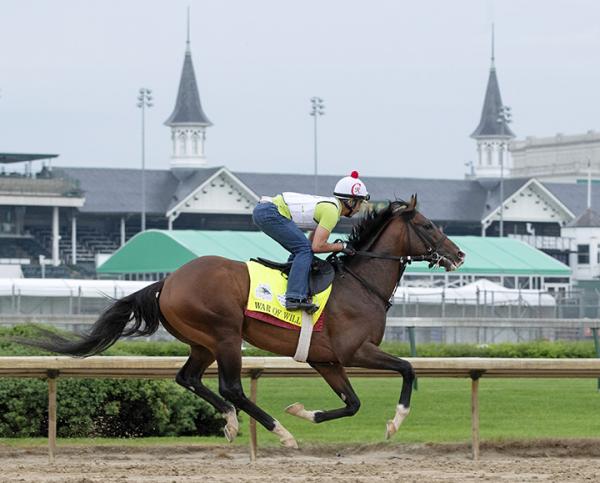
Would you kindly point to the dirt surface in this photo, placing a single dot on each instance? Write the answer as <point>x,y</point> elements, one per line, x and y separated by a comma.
<point>542,461</point>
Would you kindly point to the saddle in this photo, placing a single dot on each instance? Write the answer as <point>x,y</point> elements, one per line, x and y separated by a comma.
<point>320,277</point>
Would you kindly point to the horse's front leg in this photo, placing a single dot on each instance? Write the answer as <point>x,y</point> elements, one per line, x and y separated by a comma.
<point>372,357</point>
<point>335,376</point>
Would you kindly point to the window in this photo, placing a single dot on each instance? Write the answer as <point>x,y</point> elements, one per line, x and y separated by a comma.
<point>182,144</point>
<point>489,155</point>
<point>598,255</point>
<point>195,143</point>
<point>583,254</point>
<point>509,282</point>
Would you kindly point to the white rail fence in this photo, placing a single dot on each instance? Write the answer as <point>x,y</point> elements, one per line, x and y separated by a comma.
<point>53,368</point>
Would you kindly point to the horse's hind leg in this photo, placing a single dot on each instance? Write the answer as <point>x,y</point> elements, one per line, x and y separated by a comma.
<point>229,359</point>
<point>190,377</point>
<point>335,375</point>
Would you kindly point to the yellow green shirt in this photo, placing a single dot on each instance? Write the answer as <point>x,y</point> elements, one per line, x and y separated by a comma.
<point>326,215</point>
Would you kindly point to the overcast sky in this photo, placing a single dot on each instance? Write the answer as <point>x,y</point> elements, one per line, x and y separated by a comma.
<point>403,81</point>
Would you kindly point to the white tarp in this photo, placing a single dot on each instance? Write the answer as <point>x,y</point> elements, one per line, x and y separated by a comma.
<point>66,287</point>
<point>489,292</point>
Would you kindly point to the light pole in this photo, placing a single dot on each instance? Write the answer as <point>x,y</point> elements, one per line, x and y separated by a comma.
<point>144,100</point>
<point>504,117</point>
<point>318,109</point>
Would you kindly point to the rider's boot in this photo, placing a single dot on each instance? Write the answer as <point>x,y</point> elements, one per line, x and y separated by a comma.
<point>301,304</point>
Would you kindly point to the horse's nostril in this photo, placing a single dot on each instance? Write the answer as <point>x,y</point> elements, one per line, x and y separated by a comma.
<point>461,255</point>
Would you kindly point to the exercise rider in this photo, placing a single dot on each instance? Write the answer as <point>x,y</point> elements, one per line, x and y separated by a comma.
<point>283,217</point>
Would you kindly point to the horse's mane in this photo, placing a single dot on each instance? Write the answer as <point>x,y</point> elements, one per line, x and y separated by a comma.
<point>370,225</point>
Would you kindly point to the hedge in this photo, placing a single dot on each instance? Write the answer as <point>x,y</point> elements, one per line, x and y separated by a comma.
<point>101,407</point>
<point>145,347</point>
<point>105,407</point>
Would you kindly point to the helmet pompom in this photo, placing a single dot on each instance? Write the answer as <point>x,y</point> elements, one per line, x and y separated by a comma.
<point>354,174</point>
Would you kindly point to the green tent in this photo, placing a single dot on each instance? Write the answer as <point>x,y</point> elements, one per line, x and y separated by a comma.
<point>158,251</point>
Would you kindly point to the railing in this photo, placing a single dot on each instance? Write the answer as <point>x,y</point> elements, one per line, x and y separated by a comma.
<point>52,368</point>
<point>38,186</point>
<point>546,242</point>
<point>510,303</point>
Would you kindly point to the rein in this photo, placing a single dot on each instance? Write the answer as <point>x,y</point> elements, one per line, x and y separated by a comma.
<point>432,257</point>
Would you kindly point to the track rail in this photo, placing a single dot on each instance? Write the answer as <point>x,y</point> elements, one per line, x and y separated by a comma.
<point>52,368</point>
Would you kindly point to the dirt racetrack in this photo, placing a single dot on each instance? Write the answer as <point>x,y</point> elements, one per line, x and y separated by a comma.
<point>564,460</point>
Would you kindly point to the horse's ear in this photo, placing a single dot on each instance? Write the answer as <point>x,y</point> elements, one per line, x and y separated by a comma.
<point>412,204</point>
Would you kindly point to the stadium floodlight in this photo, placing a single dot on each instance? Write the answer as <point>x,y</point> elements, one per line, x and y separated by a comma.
<point>317,109</point>
<point>504,118</point>
<point>144,101</point>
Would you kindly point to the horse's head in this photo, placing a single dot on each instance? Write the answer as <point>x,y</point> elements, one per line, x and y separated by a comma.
<point>424,238</point>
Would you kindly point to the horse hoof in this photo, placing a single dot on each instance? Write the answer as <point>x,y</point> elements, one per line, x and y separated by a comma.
<point>285,437</point>
<point>297,409</point>
<point>390,429</point>
<point>232,426</point>
<point>230,432</point>
<point>294,409</point>
<point>289,443</point>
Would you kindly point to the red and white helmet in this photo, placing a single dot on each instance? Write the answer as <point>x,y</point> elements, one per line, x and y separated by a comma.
<point>351,187</point>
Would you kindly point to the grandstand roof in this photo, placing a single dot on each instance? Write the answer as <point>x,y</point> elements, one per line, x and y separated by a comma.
<point>115,190</point>
<point>21,157</point>
<point>156,251</point>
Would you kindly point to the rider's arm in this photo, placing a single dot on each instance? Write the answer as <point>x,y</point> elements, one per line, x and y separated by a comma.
<point>319,242</point>
<point>326,215</point>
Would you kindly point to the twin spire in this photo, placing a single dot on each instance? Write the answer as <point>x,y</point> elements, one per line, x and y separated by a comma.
<point>188,108</point>
<point>492,122</point>
<point>188,122</point>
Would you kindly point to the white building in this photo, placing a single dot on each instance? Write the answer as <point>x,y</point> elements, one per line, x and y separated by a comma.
<point>557,158</point>
<point>584,236</point>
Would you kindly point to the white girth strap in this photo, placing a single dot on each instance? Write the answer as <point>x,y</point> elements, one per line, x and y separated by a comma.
<point>305,335</point>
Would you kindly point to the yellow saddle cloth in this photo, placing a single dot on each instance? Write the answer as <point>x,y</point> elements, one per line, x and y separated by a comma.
<point>267,296</point>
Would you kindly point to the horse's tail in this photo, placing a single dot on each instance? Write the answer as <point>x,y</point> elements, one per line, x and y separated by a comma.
<point>139,308</point>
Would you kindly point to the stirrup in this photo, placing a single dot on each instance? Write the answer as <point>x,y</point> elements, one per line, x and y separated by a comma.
<point>295,304</point>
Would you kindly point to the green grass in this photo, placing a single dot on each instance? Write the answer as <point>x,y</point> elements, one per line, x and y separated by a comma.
<point>441,412</point>
<point>441,409</point>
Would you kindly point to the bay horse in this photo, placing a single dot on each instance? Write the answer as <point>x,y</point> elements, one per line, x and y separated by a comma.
<point>203,302</point>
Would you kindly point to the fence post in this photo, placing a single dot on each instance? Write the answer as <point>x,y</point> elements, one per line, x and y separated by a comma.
<point>475,375</point>
<point>254,375</point>
<point>413,351</point>
<point>597,347</point>
<point>443,301</point>
<point>52,377</point>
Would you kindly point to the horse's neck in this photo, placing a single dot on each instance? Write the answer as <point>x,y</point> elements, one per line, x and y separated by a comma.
<point>381,272</point>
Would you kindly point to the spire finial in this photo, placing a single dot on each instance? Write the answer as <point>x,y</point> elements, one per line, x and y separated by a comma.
<point>187,43</point>
<point>493,48</point>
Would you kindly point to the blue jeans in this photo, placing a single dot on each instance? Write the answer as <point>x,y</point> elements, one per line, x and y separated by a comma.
<point>285,232</point>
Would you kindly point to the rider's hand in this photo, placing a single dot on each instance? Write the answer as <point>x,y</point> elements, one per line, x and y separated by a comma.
<point>347,249</point>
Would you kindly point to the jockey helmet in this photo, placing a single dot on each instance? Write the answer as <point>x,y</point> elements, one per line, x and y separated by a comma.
<point>351,187</point>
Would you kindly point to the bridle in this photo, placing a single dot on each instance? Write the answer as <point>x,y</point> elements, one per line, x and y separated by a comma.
<point>432,247</point>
